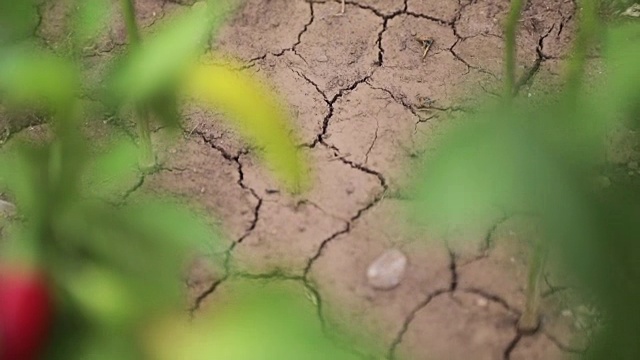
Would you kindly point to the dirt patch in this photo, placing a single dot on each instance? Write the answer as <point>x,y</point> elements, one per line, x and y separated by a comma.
<point>478,326</point>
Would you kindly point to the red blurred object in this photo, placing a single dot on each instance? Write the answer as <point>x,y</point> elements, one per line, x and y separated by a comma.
<point>26,311</point>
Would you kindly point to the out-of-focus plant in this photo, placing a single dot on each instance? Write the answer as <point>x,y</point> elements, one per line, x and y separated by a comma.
<point>160,70</point>
<point>516,158</point>
<point>259,322</point>
<point>82,278</point>
<point>90,270</point>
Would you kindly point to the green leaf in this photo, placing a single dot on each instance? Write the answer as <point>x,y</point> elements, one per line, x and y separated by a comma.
<point>30,76</point>
<point>260,322</point>
<point>168,222</point>
<point>144,244</point>
<point>499,165</point>
<point>113,171</point>
<point>256,113</point>
<point>102,295</point>
<point>622,92</point>
<point>23,174</point>
<point>18,20</point>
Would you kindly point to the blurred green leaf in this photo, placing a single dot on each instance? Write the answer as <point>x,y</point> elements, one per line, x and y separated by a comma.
<point>497,165</point>
<point>30,76</point>
<point>22,174</point>
<point>168,221</point>
<point>255,112</point>
<point>18,20</point>
<point>111,172</point>
<point>622,93</point>
<point>91,19</point>
<point>145,245</point>
<point>103,296</point>
<point>261,322</point>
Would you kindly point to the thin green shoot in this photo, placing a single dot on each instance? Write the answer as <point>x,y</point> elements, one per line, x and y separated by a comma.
<point>511,26</point>
<point>147,160</point>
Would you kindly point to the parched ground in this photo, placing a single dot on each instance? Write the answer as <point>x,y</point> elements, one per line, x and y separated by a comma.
<point>366,102</point>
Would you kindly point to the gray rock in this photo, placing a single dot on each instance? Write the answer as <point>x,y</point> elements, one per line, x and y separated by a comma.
<point>386,272</point>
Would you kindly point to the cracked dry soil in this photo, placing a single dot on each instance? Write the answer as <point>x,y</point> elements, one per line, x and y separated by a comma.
<point>365,102</point>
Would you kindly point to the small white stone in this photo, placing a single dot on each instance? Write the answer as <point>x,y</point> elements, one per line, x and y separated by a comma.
<point>386,272</point>
<point>482,302</point>
<point>322,58</point>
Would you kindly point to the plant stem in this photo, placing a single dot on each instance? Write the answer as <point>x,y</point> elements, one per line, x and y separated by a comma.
<point>129,13</point>
<point>147,160</point>
<point>510,49</point>
<point>530,319</point>
<point>587,29</point>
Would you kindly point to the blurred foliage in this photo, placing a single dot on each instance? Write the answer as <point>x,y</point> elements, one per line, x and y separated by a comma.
<point>17,20</point>
<point>130,255</point>
<point>115,267</point>
<point>258,322</point>
<point>543,160</point>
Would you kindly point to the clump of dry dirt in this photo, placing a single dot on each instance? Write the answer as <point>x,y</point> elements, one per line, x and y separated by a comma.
<point>365,98</point>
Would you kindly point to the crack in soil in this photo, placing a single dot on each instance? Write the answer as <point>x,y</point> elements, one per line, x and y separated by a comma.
<point>417,112</point>
<point>391,354</point>
<point>236,159</point>
<point>553,289</point>
<point>462,60</point>
<point>256,215</point>
<point>293,48</point>
<point>431,18</point>
<point>331,103</point>
<point>202,296</point>
<point>9,133</point>
<point>134,188</point>
<point>380,61</point>
<point>372,9</point>
<point>492,297</point>
<point>540,57</point>
<point>453,268</point>
<point>512,345</point>
<point>373,142</point>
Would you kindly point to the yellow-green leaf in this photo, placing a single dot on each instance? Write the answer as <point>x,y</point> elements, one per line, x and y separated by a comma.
<point>256,113</point>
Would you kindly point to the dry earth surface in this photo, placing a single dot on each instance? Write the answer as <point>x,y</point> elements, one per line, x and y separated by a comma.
<point>366,103</point>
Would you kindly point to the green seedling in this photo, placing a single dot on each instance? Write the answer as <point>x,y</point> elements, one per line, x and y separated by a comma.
<point>541,160</point>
